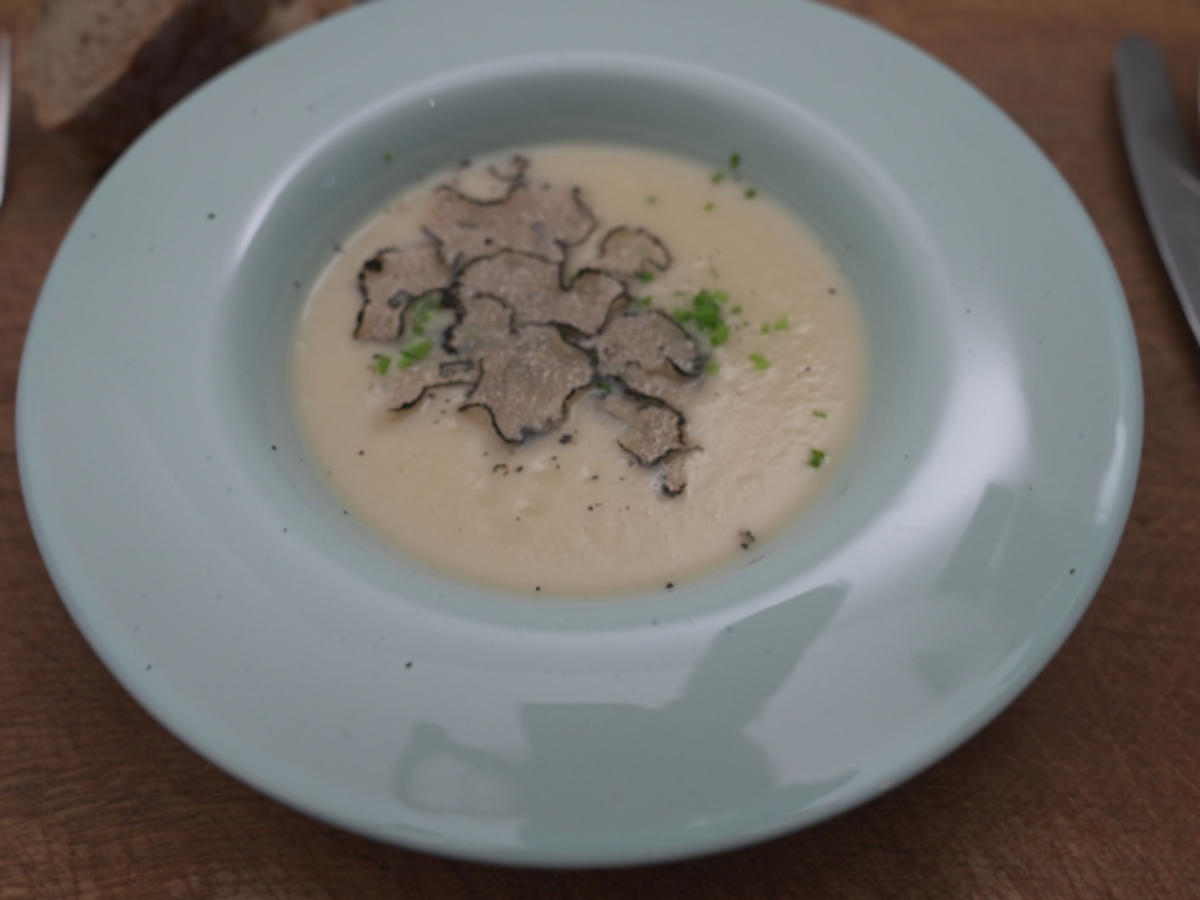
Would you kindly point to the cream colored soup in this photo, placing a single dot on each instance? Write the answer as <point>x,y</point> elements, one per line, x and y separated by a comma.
<point>569,512</point>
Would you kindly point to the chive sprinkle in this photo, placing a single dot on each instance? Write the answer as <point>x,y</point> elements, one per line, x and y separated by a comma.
<point>766,329</point>
<point>718,177</point>
<point>760,362</point>
<point>646,275</point>
<point>820,414</point>
<point>644,301</point>
<point>815,457</point>
<point>705,313</point>
<point>415,352</point>
<point>382,363</point>
<point>212,215</point>
<point>751,193</point>
<point>427,306</point>
<point>735,160</point>
<point>651,199</point>
<point>708,207</point>
<point>737,309</point>
<point>782,324</point>
<point>711,367</point>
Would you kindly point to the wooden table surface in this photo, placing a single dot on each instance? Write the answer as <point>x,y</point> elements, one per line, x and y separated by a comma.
<point>1088,786</point>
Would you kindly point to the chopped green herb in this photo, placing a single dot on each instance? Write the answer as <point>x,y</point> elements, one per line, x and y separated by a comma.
<point>708,207</point>
<point>820,414</point>
<point>751,193</point>
<point>718,177</point>
<point>760,362</point>
<point>603,387</point>
<point>720,296</point>
<point>427,307</point>
<point>815,457</point>
<point>737,309</point>
<point>212,215</point>
<point>382,363</point>
<point>735,160</point>
<point>644,301</point>
<point>415,352</point>
<point>766,329</point>
<point>646,275</point>
<point>705,313</point>
<point>387,157</point>
<point>711,367</point>
<point>782,324</point>
<point>651,199</point>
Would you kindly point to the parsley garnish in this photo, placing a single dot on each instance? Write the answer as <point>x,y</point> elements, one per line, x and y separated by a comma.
<point>708,207</point>
<point>705,313</point>
<point>782,324</point>
<point>760,362</point>
<point>644,301</point>
<point>646,275</point>
<point>735,160</point>
<point>820,414</point>
<point>651,199</point>
<point>815,457</point>
<point>751,193</point>
<point>711,367</point>
<point>415,352</point>
<point>427,307</point>
<point>766,329</point>
<point>718,177</point>
<point>382,363</point>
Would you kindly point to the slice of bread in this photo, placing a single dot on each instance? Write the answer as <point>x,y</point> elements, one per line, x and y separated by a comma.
<point>101,71</point>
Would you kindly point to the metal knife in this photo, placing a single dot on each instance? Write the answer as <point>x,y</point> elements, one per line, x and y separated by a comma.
<point>1164,166</point>
<point>5,94</point>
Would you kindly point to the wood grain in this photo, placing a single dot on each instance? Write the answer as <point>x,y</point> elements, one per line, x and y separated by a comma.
<point>1088,786</point>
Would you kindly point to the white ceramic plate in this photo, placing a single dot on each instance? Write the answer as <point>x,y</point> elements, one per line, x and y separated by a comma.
<point>212,571</point>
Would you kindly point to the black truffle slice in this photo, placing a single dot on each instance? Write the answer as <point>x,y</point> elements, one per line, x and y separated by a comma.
<point>532,286</point>
<point>674,472</point>
<point>650,340</point>
<point>511,171</point>
<point>480,322</point>
<point>527,380</point>
<point>630,251</point>
<point>653,429</point>
<point>389,280</point>
<point>541,220</point>
<point>403,388</point>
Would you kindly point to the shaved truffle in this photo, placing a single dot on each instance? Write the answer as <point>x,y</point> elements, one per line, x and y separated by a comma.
<point>403,388</point>
<point>650,340</point>
<point>541,220</point>
<point>653,429</point>
<point>389,280</point>
<point>674,473</point>
<point>532,286</point>
<point>526,382</point>
<point>631,251</point>
<point>512,170</point>
<point>480,322</point>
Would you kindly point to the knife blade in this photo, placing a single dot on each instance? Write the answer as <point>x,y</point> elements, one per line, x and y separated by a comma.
<point>1164,166</point>
<point>5,93</point>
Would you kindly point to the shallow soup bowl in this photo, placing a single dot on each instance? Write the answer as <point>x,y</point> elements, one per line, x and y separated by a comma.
<point>217,573</point>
